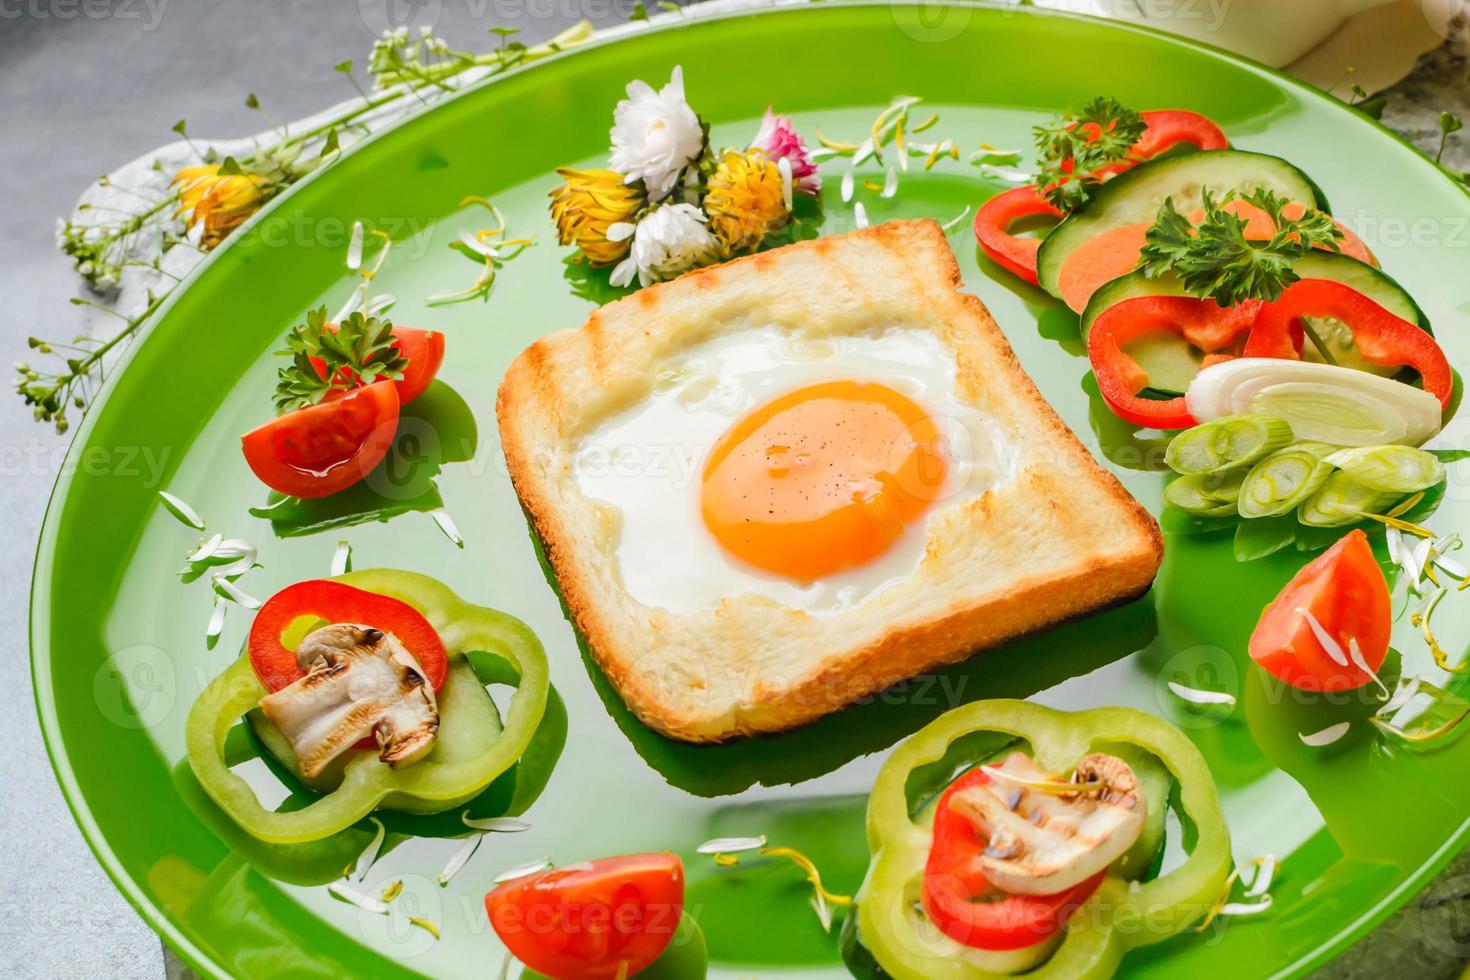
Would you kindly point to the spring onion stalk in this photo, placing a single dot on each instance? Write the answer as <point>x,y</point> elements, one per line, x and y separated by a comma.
<point>1205,494</point>
<point>1321,402</point>
<point>1392,469</point>
<point>1280,482</point>
<point>1225,443</point>
<point>1342,500</point>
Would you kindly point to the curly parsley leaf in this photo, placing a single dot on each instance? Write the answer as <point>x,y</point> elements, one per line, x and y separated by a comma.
<point>1215,260</point>
<point>356,352</point>
<point>1072,148</point>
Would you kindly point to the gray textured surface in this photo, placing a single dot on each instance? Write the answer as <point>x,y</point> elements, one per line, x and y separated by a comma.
<point>82,93</point>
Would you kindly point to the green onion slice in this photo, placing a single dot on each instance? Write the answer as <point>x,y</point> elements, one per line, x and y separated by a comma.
<point>1226,443</point>
<point>1281,481</point>
<point>1205,494</point>
<point>1392,469</point>
<point>1342,500</point>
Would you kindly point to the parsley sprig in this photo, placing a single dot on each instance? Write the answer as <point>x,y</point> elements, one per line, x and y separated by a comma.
<point>1216,261</point>
<point>1101,134</point>
<point>356,352</point>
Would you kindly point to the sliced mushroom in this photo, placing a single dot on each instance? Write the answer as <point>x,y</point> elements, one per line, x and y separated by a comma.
<point>359,682</point>
<point>1043,837</point>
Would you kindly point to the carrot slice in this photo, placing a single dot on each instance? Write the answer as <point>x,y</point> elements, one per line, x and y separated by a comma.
<point>1099,260</point>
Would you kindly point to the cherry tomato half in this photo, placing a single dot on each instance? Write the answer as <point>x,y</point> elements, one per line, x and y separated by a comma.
<point>967,907</point>
<point>590,921</point>
<point>1345,590</point>
<point>335,602</point>
<point>425,352</point>
<point>321,449</point>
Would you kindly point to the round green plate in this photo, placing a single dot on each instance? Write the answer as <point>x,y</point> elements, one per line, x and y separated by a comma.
<point>118,641</point>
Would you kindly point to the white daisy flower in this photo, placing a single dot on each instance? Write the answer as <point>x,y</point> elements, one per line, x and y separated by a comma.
<point>655,135</point>
<point>667,241</point>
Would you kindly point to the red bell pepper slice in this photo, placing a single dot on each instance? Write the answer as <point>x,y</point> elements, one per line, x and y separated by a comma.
<point>1166,129</point>
<point>1202,322</point>
<point>1381,337</point>
<point>967,907</point>
<point>335,602</point>
<point>1013,253</point>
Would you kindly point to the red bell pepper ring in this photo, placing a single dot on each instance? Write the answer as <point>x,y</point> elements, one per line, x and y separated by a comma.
<point>1013,253</point>
<point>967,907</point>
<point>1202,322</point>
<point>1381,337</point>
<point>1166,129</point>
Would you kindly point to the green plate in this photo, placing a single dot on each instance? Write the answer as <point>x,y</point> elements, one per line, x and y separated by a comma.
<point>117,640</point>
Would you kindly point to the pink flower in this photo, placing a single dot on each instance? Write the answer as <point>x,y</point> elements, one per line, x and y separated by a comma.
<point>779,141</point>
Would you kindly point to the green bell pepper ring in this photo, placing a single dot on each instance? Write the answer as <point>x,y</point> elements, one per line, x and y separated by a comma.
<point>1120,916</point>
<point>471,748</point>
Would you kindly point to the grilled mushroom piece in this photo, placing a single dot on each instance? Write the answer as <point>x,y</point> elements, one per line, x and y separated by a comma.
<point>1045,839</point>
<point>360,681</point>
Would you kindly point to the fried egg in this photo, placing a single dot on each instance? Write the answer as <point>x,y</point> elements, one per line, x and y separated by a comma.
<point>800,467</point>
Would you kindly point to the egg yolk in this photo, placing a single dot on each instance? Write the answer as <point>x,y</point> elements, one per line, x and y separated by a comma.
<point>823,479</point>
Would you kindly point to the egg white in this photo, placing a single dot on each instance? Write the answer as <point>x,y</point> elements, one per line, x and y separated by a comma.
<point>648,461</point>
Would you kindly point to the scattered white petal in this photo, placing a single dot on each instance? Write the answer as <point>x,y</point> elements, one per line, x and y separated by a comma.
<point>370,853</point>
<point>620,231</point>
<point>890,183</point>
<point>1196,696</point>
<point>352,896</point>
<point>446,524</point>
<point>234,593</point>
<point>1408,687</point>
<point>783,166</point>
<point>496,825</point>
<point>181,510</point>
<point>521,870</point>
<point>341,559</point>
<point>822,153</point>
<point>1355,653</point>
<point>1395,540</point>
<point>354,247</point>
<point>1326,736</point>
<point>1266,871</point>
<point>847,186</point>
<point>505,966</point>
<point>380,303</point>
<point>1011,175</point>
<point>860,215</point>
<point>205,550</point>
<point>216,623</point>
<point>1453,567</point>
<point>732,845</point>
<point>1246,908</point>
<point>1329,644</point>
<point>867,149</point>
<point>234,570</point>
<point>823,910</point>
<point>472,242</point>
<point>1410,711</point>
<point>460,857</point>
<point>953,223</point>
<point>1421,561</point>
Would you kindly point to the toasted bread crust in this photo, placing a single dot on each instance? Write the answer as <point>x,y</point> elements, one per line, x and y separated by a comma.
<point>751,665</point>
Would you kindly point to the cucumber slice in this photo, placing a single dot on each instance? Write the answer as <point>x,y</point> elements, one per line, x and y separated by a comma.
<point>1135,197</point>
<point>1172,363</point>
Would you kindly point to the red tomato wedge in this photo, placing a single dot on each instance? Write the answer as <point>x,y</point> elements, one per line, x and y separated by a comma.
<point>597,920</point>
<point>425,352</point>
<point>321,449</point>
<point>1204,323</point>
<point>1380,336</point>
<point>1165,130</point>
<point>334,602</point>
<point>967,907</point>
<point>1344,589</point>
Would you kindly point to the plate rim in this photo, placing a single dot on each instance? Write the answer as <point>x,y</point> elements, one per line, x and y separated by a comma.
<point>38,625</point>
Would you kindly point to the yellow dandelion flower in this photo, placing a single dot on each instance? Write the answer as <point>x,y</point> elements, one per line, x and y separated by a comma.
<point>587,205</point>
<point>748,198</point>
<point>220,202</point>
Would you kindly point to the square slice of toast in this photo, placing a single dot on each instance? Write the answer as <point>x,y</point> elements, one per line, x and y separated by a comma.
<point>1057,538</point>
